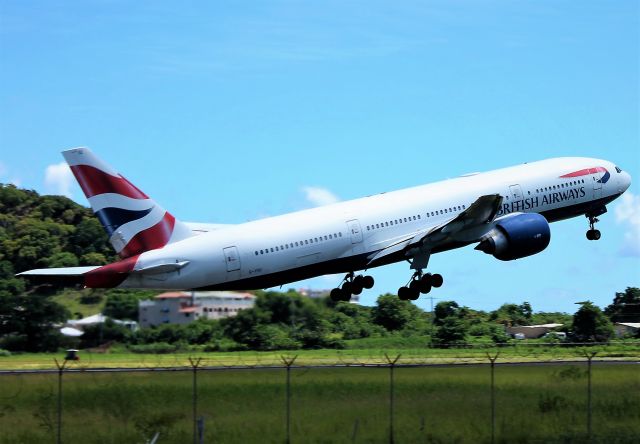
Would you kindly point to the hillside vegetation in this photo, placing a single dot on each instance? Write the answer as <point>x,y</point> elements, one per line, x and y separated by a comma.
<point>53,231</point>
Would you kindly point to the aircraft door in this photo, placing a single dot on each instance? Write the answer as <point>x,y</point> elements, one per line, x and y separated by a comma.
<point>232,258</point>
<point>355,230</point>
<point>516,192</point>
<point>596,177</point>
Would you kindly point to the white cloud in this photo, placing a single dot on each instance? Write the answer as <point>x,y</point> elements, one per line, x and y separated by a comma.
<point>628,214</point>
<point>58,179</point>
<point>319,196</point>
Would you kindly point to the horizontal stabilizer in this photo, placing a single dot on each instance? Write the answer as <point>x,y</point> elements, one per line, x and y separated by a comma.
<point>61,276</point>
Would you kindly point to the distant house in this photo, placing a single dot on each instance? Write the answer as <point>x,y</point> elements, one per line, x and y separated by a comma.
<point>623,329</point>
<point>181,307</point>
<point>532,331</point>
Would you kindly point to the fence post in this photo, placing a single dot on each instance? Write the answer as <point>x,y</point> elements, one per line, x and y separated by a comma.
<point>61,368</point>
<point>288,362</point>
<point>492,359</point>
<point>195,363</point>
<point>392,364</point>
<point>589,355</point>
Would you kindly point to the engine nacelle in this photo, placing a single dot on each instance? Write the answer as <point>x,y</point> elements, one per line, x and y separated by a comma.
<point>517,236</point>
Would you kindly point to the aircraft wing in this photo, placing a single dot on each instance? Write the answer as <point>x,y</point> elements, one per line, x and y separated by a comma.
<point>462,228</point>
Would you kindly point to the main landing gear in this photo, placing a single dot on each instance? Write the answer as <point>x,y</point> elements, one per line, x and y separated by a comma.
<point>419,283</point>
<point>352,285</point>
<point>592,233</point>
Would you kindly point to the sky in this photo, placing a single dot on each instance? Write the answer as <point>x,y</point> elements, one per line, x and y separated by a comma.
<point>231,111</point>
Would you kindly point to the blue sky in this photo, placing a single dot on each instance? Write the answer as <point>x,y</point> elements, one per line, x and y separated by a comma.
<point>231,111</point>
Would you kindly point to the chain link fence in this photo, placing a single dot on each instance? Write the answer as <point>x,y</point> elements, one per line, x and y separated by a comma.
<point>489,396</point>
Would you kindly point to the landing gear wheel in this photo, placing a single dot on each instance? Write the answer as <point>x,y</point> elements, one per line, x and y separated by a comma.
<point>425,286</point>
<point>590,234</point>
<point>336,295</point>
<point>436,280</point>
<point>596,234</point>
<point>403,293</point>
<point>357,285</point>
<point>367,282</point>
<point>414,293</point>
<point>347,287</point>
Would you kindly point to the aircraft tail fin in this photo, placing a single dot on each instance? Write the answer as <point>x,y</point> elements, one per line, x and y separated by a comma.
<point>134,222</point>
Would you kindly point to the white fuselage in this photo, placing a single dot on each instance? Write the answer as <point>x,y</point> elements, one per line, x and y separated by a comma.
<point>343,236</point>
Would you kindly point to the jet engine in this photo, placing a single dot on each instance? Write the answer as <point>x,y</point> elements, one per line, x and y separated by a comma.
<point>517,236</point>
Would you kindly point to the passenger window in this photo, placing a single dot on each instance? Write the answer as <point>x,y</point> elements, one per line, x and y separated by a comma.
<point>261,252</point>
<point>256,253</point>
<point>272,250</point>
<point>277,249</point>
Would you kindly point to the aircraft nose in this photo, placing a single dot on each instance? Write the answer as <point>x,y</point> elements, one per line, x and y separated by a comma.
<point>624,181</point>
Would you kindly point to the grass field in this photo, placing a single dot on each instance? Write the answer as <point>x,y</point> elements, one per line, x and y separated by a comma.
<point>362,352</point>
<point>534,404</point>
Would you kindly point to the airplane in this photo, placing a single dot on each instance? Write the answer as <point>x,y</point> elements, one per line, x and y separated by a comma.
<point>506,212</point>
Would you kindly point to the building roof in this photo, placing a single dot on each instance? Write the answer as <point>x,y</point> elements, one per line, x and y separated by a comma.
<point>629,324</point>
<point>94,319</point>
<point>540,326</point>
<point>173,295</point>
<point>188,310</point>
<point>222,295</point>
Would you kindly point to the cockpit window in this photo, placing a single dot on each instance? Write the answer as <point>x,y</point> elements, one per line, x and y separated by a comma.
<point>618,170</point>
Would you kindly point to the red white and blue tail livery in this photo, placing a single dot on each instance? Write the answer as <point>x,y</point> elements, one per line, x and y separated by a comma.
<point>505,212</point>
<point>133,221</point>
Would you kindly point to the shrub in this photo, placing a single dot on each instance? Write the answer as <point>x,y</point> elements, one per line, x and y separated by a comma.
<point>155,348</point>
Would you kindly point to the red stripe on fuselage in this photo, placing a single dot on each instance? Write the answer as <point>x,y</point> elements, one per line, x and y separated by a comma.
<point>94,182</point>
<point>111,275</point>
<point>153,237</point>
<point>585,172</point>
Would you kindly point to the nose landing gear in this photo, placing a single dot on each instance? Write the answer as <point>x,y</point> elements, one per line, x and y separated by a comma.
<point>352,285</point>
<point>592,233</point>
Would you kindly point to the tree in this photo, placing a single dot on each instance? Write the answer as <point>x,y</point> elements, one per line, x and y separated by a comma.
<point>28,322</point>
<point>591,325</point>
<point>123,304</point>
<point>513,314</point>
<point>443,310</point>
<point>625,306</point>
<point>451,332</point>
<point>393,313</point>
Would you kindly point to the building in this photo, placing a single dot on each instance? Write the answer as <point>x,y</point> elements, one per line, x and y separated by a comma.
<point>181,307</point>
<point>532,331</point>
<point>623,329</point>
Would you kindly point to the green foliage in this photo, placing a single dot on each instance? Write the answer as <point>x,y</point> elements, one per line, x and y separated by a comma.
<point>625,306</point>
<point>451,332</point>
<point>108,331</point>
<point>156,347</point>
<point>445,309</point>
<point>591,325</point>
<point>513,314</point>
<point>394,314</point>
<point>123,304</point>
<point>36,232</point>
<point>28,322</point>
